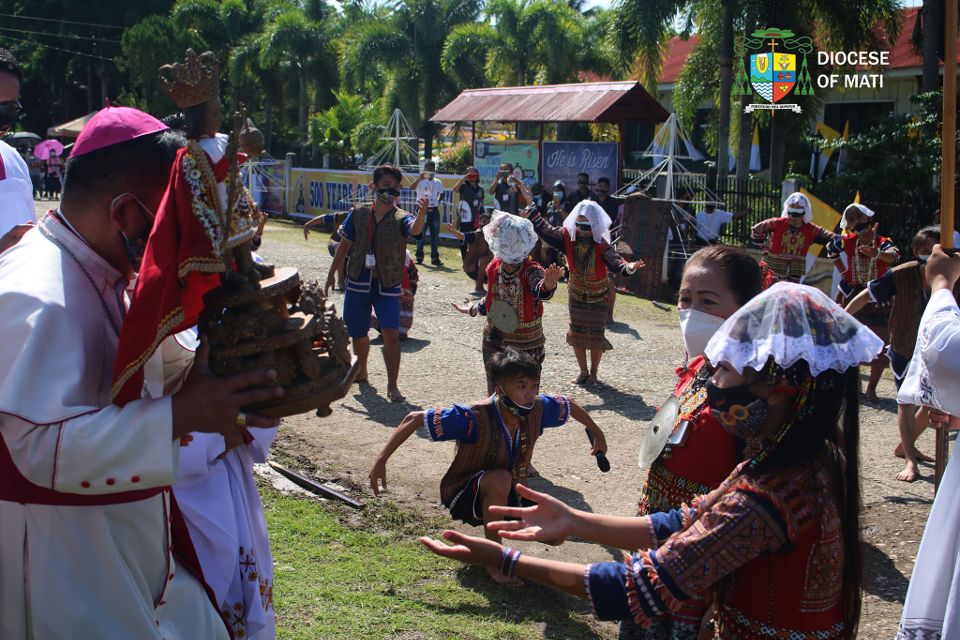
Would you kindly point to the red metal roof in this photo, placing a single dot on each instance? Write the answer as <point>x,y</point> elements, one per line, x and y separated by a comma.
<point>583,102</point>
<point>677,51</point>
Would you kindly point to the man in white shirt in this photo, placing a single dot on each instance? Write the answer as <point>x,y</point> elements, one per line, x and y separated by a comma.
<point>428,185</point>
<point>16,189</point>
<point>86,517</point>
<point>709,222</point>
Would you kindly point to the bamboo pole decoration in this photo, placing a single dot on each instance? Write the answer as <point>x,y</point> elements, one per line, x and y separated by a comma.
<point>948,176</point>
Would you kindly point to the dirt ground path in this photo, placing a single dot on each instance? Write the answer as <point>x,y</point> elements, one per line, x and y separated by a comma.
<point>442,364</point>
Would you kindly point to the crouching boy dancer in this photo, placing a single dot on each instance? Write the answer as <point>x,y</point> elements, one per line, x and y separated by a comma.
<point>495,439</point>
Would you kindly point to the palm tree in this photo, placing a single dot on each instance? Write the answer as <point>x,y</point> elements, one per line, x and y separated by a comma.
<point>645,27</point>
<point>408,44</point>
<point>292,39</point>
<point>245,64</point>
<point>534,41</point>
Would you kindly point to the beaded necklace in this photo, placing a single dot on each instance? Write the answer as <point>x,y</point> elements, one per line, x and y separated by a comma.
<point>508,287</point>
<point>858,267</point>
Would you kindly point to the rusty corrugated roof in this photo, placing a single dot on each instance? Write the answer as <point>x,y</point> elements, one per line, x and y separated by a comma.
<point>583,102</point>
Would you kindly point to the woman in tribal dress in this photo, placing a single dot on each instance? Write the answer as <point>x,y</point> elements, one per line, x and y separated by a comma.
<point>717,280</point>
<point>862,255</point>
<point>778,544</point>
<point>585,240</point>
<point>516,287</point>
<point>409,280</point>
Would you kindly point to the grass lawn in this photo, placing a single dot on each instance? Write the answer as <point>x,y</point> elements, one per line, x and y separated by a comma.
<point>627,308</point>
<point>340,573</point>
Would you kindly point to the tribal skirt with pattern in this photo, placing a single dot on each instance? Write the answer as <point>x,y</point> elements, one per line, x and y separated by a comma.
<point>527,338</point>
<point>589,311</point>
<point>663,491</point>
<point>735,625</point>
<point>875,316</point>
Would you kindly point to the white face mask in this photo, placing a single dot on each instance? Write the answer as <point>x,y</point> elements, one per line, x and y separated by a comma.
<point>697,328</point>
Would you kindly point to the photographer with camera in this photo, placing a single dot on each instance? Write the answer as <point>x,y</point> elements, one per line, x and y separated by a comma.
<point>507,190</point>
<point>428,185</point>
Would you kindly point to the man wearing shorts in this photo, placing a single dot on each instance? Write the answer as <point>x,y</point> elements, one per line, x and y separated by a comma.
<point>373,243</point>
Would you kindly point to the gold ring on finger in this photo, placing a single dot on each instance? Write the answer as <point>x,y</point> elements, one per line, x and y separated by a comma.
<point>242,420</point>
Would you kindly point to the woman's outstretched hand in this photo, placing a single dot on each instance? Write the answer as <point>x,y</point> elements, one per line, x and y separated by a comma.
<point>550,521</point>
<point>468,549</point>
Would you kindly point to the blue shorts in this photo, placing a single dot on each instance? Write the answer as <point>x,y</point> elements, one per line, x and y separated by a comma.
<point>898,364</point>
<point>357,307</point>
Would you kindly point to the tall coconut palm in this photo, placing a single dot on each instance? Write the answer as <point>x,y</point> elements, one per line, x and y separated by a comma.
<point>292,39</point>
<point>409,45</point>
<point>530,41</point>
<point>252,80</point>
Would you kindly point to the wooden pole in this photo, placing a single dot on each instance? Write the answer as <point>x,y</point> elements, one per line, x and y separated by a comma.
<point>948,176</point>
<point>473,142</point>
<point>540,158</point>
<point>621,152</point>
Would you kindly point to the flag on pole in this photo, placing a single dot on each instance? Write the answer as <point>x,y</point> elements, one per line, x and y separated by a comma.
<point>755,149</point>
<point>658,147</point>
<point>842,157</point>
<point>828,133</point>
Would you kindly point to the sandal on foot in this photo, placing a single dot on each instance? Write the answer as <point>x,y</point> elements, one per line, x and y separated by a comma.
<point>582,378</point>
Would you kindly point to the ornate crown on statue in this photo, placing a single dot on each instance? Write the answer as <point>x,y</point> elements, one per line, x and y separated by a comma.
<point>194,81</point>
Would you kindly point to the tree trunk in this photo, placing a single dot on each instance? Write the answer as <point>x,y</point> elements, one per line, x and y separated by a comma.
<point>91,99</point>
<point>268,124</point>
<point>103,85</point>
<point>726,82</point>
<point>778,143</point>
<point>303,114</point>
<point>429,108</point>
<point>744,141</point>
<point>932,29</point>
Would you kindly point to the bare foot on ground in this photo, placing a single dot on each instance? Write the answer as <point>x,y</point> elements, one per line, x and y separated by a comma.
<point>910,472</point>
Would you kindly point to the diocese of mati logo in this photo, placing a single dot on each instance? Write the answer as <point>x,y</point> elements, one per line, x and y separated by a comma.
<point>774,74</point>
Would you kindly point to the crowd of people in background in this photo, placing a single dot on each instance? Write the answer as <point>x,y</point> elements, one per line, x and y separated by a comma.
<point>748,521</point>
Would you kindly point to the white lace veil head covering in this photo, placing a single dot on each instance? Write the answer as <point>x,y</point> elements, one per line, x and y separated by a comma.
<point>791,322</point>
<point>599,221</point>
<point>511,238</point>
<point>797,200</point>
<point>853,208</point>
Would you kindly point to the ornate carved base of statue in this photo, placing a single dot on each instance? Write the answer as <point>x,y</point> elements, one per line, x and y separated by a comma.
<point>285,326</point>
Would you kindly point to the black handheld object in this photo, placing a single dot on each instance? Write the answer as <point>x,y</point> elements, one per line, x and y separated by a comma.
<point>602,463</point>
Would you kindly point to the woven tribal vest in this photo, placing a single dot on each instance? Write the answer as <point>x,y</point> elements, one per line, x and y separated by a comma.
<point>389,243</point>
<point>489,451</point>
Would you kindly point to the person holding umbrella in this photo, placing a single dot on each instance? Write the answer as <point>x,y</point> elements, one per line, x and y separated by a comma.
<point>16,191</point>
<point>49,153</point>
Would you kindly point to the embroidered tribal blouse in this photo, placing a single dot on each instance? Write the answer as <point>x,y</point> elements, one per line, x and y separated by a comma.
<point>775,539</point>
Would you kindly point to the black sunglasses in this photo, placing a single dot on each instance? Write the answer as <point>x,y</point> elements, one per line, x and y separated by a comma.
<point>796,213</point>
<point>860,227</point>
